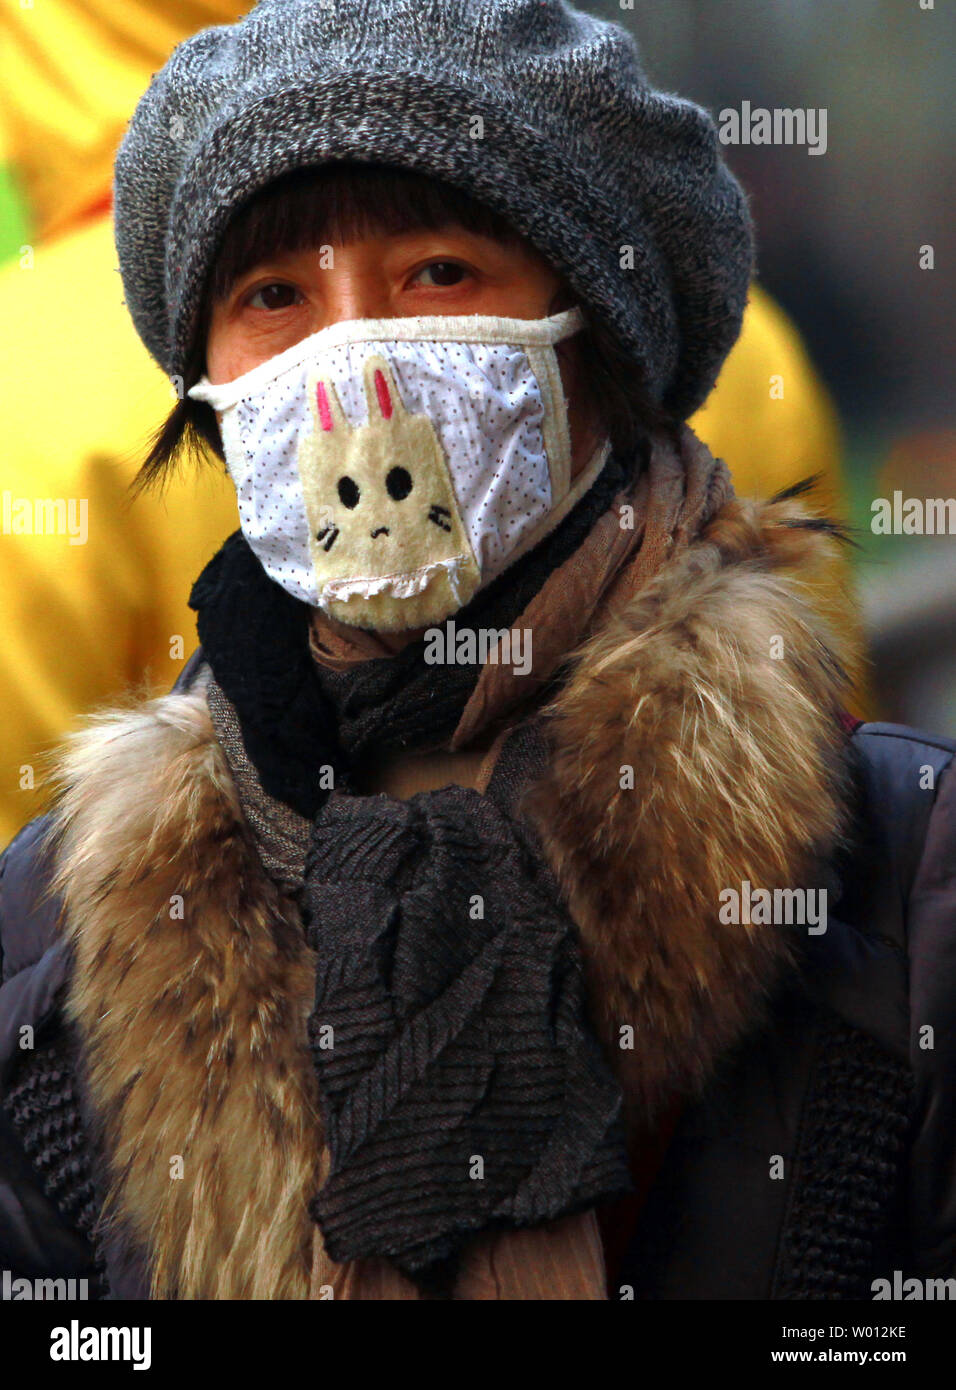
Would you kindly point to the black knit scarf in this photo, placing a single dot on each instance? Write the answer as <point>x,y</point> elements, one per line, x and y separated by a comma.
<point>460,1084</point>
<point>297,717</point>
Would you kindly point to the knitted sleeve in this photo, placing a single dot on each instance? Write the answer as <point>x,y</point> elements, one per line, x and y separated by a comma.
<point>41,1106</point>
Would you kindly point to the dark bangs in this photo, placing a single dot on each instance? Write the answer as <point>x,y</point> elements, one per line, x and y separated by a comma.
<point>339,203</point>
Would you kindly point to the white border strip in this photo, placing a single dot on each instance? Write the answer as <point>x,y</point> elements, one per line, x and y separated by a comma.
<point>455,328</point>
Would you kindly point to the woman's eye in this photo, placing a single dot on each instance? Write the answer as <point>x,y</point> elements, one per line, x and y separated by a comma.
<point>444,273</point>
<point>276,296</point>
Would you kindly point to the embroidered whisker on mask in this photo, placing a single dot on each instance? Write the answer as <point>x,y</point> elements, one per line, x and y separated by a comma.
<point>386,469</point>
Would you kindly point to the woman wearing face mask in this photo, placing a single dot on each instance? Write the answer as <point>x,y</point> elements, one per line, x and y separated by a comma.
<point>503,892</point>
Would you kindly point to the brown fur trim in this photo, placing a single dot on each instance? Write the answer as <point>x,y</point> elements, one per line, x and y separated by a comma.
<point>191,989</point>
<point>737,768</point>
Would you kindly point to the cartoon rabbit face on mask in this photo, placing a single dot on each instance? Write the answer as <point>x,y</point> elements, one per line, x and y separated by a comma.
<point>386,469</point>
<point>384,524</point>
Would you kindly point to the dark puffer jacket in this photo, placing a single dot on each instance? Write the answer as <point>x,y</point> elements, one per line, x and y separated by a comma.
<point>822,1154</point>
<point>853,1086</point>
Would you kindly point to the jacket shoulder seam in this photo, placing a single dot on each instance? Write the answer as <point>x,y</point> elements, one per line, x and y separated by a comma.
<point>903,734</point>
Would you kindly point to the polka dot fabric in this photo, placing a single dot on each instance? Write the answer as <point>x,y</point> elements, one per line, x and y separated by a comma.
<point>496,406</point>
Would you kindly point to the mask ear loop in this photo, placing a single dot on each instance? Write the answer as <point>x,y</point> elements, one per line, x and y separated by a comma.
<point>556,428</point>
<point>547,370</point>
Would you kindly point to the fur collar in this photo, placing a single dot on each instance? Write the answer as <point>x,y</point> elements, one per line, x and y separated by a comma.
<point>719,684</point>
<point>715,694</point>
<point>190,991</point>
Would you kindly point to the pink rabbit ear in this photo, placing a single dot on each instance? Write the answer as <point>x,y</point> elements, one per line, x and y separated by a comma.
<point>325,411</point>
<point>384,397</point>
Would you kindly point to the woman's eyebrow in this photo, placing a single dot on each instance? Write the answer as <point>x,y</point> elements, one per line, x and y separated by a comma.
<point>226,286</point>
<point>283,262</point>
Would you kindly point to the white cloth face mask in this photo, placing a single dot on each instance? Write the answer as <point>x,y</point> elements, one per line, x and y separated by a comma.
<point>386,469</point>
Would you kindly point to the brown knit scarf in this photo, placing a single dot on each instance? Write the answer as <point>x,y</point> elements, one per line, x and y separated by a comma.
<point>659,513</point>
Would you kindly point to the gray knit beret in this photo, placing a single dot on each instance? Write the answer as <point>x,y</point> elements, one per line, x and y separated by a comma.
<point>537,109</point>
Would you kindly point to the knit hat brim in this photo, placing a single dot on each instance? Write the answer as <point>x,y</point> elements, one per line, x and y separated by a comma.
<point>677,315</point>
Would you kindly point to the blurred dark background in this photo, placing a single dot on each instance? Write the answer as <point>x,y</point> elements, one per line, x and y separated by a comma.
<point>839,247</point>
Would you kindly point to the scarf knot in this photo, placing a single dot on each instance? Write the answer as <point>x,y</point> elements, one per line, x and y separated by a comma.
<point>460,1084</point>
